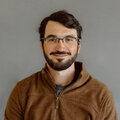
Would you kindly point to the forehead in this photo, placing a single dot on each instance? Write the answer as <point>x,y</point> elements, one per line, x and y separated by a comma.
<point>56,28</point>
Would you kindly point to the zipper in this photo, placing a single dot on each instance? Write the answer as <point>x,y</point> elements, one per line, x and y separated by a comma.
<point>56,106</point>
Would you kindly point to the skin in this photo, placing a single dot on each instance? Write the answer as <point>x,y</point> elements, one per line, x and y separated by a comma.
<point>62,77</point>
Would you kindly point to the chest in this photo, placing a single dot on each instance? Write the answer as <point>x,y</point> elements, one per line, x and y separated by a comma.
<point>67,106</point>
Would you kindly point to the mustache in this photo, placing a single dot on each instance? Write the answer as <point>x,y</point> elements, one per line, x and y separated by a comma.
<point>60,52</point>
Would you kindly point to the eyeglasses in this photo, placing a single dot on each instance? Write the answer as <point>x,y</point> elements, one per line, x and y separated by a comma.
<point>67,40</point>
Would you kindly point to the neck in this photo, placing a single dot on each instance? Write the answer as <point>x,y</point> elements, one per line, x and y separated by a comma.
<point>63,77</point>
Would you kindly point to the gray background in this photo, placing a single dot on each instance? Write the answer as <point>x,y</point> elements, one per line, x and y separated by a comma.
<point>20,53</point>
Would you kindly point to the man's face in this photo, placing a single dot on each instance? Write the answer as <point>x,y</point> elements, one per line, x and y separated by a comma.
<point>60,56</point>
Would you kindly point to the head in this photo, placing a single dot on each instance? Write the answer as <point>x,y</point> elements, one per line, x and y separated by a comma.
<point>60,24</point>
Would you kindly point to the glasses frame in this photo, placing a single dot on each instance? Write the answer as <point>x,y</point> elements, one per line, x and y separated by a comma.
<point>63,39</point>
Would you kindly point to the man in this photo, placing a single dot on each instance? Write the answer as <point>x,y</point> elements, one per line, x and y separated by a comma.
<point>62,90</point>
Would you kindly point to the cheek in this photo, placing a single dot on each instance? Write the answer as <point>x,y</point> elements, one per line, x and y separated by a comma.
<point>47,49</point>
<point>73,49</point>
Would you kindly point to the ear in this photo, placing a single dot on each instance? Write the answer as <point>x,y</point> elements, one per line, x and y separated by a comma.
<point>79,46</point>
<point>41,46</point>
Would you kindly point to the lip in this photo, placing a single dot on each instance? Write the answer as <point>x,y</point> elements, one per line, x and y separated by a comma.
<point>60,55</point>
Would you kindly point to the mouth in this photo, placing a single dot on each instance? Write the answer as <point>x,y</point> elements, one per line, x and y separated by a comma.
<point>60,54</point>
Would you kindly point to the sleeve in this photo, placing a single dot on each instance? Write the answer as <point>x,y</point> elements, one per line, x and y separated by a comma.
<point>109,110</point>
<point>13,109</point>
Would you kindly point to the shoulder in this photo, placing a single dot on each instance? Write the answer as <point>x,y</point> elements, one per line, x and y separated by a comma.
<point>29,80</point>
<point>24,87</point>
<point>104,98</point>
<point>99,87</point>
<point>101,92</point>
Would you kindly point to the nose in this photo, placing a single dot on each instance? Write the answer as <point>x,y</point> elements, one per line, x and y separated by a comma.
<point>60,45</point>
<point>60,39</point>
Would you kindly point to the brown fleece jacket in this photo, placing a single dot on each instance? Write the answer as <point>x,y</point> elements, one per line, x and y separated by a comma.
<point>34,98</point>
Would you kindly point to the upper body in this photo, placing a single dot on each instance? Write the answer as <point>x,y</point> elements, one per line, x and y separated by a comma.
<point>35,98</point>
<point>81,98</point>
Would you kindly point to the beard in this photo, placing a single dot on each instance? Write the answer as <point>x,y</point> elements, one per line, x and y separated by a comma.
<point>59,66</point>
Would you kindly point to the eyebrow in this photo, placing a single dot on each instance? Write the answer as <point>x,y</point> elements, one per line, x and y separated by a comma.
<point>56,36</point>
<point>51,36</point>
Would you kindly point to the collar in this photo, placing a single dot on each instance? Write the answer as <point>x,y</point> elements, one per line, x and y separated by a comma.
<point>83,76</point>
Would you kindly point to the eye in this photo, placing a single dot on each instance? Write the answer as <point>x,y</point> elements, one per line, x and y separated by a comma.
<point>69,38</point>
<point>51,39</point>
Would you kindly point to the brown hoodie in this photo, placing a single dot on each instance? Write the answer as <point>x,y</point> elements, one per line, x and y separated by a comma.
<point>34,98</point>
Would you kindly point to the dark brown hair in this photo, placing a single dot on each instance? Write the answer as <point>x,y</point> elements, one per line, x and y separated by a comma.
<point>63,17</point>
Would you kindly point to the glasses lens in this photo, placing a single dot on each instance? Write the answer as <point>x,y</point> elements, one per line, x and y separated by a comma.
<point>70,39</point>
<point>51,39</point>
